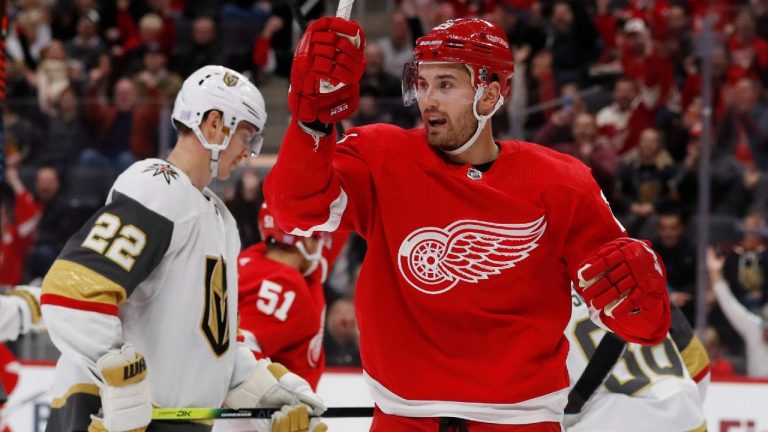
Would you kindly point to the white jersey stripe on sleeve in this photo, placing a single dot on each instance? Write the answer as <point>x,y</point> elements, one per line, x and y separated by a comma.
<point>334,219</point>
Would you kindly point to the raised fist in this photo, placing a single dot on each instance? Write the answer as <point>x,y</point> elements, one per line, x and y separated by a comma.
<point>326,72</point>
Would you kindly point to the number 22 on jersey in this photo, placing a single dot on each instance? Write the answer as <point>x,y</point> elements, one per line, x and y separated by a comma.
<point>274,301</point>
<point>123,249</point>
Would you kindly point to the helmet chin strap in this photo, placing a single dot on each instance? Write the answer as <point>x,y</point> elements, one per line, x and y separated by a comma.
<point>214,165</point>
<point>313,259</point>
<point>481,119</point>
<point>215,149</point>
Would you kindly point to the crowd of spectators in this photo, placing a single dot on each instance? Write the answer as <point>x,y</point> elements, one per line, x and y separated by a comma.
<point>615,83</point>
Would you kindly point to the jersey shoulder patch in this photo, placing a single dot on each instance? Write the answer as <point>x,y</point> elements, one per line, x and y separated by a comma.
<point>159,186</point>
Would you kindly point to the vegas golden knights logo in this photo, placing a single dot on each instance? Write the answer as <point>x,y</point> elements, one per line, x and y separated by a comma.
<point>230,80</point>
<point>215,324</point>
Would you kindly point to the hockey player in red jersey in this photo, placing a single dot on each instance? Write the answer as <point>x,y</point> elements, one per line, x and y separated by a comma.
<point>281,305</point>
<point>464,292</point>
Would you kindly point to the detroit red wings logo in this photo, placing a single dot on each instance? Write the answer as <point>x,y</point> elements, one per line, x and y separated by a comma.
<point>433,260</point>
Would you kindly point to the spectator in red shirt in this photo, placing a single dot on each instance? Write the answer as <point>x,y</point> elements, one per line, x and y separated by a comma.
<point>652,12</point>
<point>749,52</point>
<point>17,232</point>
<point>622,121</point>
<point>643,63</point>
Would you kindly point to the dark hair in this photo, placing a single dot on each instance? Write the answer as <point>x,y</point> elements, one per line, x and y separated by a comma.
<point>670,210</point>
<point>182,129</point>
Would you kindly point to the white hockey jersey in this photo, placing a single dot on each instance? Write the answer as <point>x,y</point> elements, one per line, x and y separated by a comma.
<point>155,267</point>
<point>649,388</point>
<point>20,312</point>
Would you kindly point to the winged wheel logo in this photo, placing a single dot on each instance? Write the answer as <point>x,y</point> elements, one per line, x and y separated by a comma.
<point>433,260</point>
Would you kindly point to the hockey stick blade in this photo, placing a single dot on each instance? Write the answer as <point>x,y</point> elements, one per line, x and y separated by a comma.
<point>251,413</point>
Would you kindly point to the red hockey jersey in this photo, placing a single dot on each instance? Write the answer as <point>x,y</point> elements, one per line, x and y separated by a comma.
<point>464,292</point>
<point>17,239</point>
<point>283,312</point>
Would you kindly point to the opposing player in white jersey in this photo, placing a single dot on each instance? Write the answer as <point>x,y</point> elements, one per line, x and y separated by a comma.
<point>20,312</point>
<point>19,315</point>
<point>142,301</point>
<point>618,386</point>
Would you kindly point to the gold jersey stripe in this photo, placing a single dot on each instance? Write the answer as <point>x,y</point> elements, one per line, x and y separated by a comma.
<point>75,281</point>
<point>702,428</point>
<point>34,306</point>
<point>695,357</point>
<point>91,389</point>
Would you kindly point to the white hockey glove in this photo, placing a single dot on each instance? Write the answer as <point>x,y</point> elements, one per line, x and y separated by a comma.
<point>272,385</point>
<point>126,404</point>
<point>27,299</point>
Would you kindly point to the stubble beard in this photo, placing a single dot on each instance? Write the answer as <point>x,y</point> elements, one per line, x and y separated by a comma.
<point>456,134</point>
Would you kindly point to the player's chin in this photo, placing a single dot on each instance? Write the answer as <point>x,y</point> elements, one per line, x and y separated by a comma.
<point>443,144</point>
<point>441,141</point>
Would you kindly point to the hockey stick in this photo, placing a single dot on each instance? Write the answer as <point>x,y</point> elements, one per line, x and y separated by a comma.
<point>600,364</point>
<point>251,413</point>
<point>345,9</point>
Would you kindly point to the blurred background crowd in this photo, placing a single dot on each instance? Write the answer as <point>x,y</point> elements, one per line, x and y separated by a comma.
<point>617,84</point>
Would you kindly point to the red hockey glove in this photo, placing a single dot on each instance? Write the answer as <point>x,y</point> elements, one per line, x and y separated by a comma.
<point>331,50</point>
<point>626,282</point>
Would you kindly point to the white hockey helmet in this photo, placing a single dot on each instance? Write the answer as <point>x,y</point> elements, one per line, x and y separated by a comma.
<point>222,89</point>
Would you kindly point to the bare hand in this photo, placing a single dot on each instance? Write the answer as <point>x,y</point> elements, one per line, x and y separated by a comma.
<point>751,176</point>
<point>679,299</point>
<point>521,53</point>
<point>146,78</point>
<point>12,161</point>
<point>715,265</point>
<point>642,209</point>
<point>273,25</point>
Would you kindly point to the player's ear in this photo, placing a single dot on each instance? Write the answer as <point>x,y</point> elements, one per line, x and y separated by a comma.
<point>490,96</point>
<point>211,124</point>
